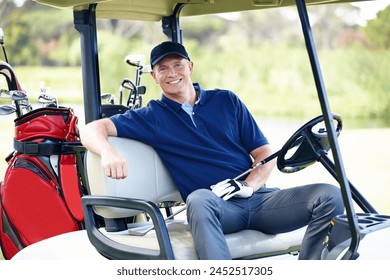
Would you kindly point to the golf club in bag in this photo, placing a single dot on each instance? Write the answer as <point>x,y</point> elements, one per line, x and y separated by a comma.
<point>133,90</point>
<point>40,196</point>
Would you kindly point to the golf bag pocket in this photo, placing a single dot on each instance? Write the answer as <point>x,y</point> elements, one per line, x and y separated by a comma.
<point>40,196</point>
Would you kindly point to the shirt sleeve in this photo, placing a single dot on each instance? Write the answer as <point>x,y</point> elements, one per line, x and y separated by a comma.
<point>135,124</point>
<point>250,133</point>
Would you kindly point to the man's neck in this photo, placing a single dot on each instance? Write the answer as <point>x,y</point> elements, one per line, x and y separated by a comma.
<point>189,96</point>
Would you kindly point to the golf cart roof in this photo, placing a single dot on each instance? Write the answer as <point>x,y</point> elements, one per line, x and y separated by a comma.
<point>154,10</point>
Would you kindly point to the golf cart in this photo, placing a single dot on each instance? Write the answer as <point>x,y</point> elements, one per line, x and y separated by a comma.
<point>352,235</point>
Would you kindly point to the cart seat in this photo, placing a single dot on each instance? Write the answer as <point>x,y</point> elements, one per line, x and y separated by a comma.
<point>150,182</point>
<point>148,185</point>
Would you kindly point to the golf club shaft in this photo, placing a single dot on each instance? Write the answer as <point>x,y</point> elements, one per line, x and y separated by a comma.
<point>2,44</point>
<point>18,96</point>
<point>166,219</point>
<point>260,163</point>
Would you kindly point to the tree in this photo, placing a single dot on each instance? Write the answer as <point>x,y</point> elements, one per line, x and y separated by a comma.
<point>34,33</point>
<point>378,30</point>
<point>6,6</point>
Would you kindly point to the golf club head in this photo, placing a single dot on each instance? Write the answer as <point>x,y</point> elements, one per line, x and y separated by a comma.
<point>47,100</point>
<point>108,97</point>
<point>18,95</point>
<point>141,90</point>
<point>1,36</point>
<point>146,69</point>
<point>6,110</point>
<point>136,60</point>
<point>5,94</point>
<point>128,84</point>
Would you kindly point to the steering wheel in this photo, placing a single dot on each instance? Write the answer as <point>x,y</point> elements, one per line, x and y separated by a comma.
<point>306,145</point>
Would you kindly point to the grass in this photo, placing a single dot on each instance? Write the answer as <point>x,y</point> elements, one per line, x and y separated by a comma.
<point>65,83</point>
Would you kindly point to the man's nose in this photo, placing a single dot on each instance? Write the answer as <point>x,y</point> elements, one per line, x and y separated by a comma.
<point>172,72</point>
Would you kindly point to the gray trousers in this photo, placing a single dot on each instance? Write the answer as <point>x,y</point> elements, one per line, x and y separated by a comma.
<point>268,210</point>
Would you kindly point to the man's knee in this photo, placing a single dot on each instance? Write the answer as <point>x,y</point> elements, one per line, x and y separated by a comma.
<point>202,202</point>
<point>331,196</point>
<point>199,197</point>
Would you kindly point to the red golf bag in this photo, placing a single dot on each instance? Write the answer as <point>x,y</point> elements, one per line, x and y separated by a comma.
<point>41,193</point>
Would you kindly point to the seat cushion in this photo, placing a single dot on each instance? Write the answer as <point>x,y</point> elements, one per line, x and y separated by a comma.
<point>244,244</point>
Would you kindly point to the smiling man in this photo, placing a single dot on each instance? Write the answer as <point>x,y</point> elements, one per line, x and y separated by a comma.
<point>172,70</point>
<point>205,138</point>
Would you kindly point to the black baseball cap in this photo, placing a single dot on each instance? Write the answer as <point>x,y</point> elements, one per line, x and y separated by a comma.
<point>167,48</point>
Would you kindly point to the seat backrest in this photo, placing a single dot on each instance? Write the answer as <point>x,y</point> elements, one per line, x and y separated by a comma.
<point>147,178</point>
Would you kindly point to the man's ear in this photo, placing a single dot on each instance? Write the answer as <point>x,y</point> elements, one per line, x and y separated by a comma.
<point>154,76</point>
<point>191,66</point>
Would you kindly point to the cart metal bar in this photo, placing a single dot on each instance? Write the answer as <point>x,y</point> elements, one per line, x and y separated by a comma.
<point>85,24</point>
<point>171,25</point>
<point>326,111</point>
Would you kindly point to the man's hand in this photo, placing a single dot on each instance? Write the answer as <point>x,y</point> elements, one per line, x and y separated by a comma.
<point>94,137</point>
<point>114,165</point>
<point>229,188</point>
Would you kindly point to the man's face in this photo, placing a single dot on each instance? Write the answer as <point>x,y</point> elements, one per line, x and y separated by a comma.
<point>173,75</point>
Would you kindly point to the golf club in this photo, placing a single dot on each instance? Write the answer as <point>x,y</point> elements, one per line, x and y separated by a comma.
<point>129,85</point>
<point>260,163</point>
<point>6,110</point>
<point>108,97</point>
<point>25,105</point>
<point>2,44</point>
<point>5,94</point>
<point>47,100</point>
<point>135,59</point>
<point>18,97</point>
<point>134,99</point>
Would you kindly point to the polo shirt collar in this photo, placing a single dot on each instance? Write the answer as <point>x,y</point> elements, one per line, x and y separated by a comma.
<point>177,106</point>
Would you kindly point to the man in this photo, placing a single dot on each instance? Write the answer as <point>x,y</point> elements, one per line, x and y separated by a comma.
<point>205,138</point>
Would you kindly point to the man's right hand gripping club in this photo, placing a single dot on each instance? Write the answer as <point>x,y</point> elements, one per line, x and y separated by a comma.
<point>228,188</point>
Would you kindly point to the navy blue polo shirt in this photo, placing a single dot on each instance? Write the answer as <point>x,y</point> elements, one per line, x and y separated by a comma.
<point>212,146</point>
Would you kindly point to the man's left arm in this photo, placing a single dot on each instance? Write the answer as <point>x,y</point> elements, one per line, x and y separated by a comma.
<point>260,175</point>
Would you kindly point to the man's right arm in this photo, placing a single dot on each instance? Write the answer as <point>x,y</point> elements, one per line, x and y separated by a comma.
<point>94,137</point>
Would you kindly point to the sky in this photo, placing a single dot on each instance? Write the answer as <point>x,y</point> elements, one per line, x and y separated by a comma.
<point>369,9</point>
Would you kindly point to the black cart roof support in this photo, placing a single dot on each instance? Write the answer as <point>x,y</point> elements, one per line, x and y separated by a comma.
<point>85,24</point>
<point>328,119</point>
<point>171,25</point>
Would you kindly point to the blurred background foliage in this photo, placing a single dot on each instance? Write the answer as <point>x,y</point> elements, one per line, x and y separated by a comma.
<point>259,55</point>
